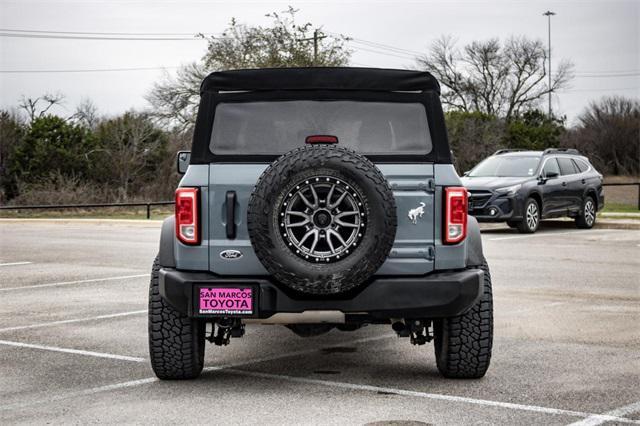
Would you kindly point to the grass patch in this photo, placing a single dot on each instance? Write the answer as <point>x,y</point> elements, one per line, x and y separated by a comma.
<point>620,208</point>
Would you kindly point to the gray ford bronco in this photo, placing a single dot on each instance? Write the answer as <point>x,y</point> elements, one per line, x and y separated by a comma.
<point>320,198</point>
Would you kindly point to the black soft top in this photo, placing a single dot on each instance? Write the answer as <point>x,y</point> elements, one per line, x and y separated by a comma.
<point>329,78</point>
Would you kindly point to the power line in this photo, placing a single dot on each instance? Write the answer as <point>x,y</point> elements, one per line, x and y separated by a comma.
<point>73,37</point>
<point>83,70</point>
<point>99,33</point>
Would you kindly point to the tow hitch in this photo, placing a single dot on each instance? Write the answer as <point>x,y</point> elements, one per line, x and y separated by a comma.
<point>222,331</point>
<point>419,331</point>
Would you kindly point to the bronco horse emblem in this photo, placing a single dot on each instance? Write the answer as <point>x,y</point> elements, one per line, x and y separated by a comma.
<point>416,213</point>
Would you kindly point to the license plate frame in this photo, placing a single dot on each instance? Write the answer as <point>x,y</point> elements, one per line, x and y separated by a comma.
<point>225,300</point>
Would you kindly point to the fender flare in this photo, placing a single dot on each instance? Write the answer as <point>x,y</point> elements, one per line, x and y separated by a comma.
<point>474,256</point>
<point>166,256</point>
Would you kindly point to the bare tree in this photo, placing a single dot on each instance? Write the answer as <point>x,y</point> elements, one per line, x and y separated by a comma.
<point>503,79</point>
<point>86,113</point>
<point>609,133</point>
<point>284,43</point>
<point>34,106</point>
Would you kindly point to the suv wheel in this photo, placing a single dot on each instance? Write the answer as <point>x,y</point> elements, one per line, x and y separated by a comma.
<point>531,220</point>
<point>176,342</point>
<point>463,343</point>
<point>587,216</point>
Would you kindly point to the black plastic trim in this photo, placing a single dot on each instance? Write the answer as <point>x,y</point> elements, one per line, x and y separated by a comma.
<point>436,295</point>
<point>230,200</point>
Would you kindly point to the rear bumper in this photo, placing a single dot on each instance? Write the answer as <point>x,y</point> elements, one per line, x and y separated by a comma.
<point>435,295</point>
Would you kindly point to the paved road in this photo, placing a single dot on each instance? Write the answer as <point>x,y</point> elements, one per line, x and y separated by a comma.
<point>73,341</point>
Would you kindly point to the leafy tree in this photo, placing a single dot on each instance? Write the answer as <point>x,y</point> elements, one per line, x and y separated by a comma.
<point>497,78</point>
<point>11,133</point>
<point>609,134</point>
<point>128,148</point>
<point>284,43</point>
<point>534,130</point>
<point>51,145</point>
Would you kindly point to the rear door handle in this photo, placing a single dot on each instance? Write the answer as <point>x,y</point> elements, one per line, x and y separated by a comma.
<point>583,181</point>
<point>231,214</point>
<point>564,183</point>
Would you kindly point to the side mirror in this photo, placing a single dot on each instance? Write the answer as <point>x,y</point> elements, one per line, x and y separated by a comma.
<point>182,161</point>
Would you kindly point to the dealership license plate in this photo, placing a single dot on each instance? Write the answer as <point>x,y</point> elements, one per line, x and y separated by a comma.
<point>226,300</point>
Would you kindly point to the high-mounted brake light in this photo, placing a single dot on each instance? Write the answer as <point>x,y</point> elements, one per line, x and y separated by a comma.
<point>455,223</point>
<point>321,139</point>
<point>187,220</point>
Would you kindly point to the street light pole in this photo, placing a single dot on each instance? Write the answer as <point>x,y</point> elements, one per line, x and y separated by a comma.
<point>549,14</point>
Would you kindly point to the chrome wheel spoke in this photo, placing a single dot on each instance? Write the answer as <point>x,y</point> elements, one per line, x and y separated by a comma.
<point>316,200</point>
<point>338,237</point>
<point>345,224</point>
<point>297,224</point>
<point>307,235</point>
<point>306,201</point>
<point>338,201</point>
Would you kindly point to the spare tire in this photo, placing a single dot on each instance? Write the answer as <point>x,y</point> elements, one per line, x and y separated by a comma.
<point>322,219</point>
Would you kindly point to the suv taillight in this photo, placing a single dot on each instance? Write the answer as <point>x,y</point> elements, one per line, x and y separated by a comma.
<point>455,215</point>
<point>187,220</point>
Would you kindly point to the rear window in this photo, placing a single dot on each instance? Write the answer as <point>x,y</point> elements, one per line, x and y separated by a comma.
<point>276,127</point>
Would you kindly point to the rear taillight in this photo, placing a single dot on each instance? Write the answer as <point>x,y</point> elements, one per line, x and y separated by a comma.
<point>455,215</point>
<point>187,220</point>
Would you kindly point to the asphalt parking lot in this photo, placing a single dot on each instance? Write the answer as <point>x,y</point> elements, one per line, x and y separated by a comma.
<point>73,341</point>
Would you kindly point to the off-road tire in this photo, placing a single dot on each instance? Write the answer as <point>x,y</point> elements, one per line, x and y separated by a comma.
<point>582,221</point>
<point>176,342</point>
<point>364,259</point>
<point>523,225</point>
<point>463,343</point>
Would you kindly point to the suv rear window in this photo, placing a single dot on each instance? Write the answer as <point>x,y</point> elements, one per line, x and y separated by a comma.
<point>276,127</point>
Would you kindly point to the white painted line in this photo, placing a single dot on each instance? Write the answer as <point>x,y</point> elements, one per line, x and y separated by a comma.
<point>71,351</point>
<point>148,380</point>
<point>91,391</point>
<point>597,420</point>
<point>15,263</point>
<point>230,368</point>
<point>442,397</point>
<point>70,321</point>
<point>93,280</point>
<point>550,234</point>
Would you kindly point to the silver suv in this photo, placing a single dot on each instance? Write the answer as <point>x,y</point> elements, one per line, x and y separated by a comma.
<point>320,198</point>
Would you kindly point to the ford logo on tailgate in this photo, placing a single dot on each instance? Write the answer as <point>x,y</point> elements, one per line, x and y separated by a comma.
<point>231,254</point>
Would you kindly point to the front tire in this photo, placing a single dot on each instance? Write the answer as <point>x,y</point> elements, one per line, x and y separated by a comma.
<point>531,217</point>
<point>463,343</point>
<point>176,342</point>
<point>587,217</point>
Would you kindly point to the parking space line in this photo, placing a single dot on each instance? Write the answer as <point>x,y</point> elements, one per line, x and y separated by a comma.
<point>442,397</point>
<point>611,416</point>
<point>71,351</point>
<point>550,234</point>
<point>93,280</point>
<point>15,263</point>
<point>85,392</point>
<point>70,321</point>
<point>621,411</point>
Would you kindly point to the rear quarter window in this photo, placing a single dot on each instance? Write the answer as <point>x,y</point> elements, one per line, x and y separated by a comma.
<point>276,127</point>
<point>580,165</point>
<point>566,166</point>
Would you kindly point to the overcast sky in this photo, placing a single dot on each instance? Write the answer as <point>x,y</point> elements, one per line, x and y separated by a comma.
<point>601,38</point>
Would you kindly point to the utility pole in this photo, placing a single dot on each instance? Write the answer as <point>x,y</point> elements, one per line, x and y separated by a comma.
<point>316,39</point>
<point>549,14</point>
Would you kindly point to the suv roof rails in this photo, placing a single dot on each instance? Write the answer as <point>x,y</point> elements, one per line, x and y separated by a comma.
<point>504,151</point>
<point>561,151</point>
